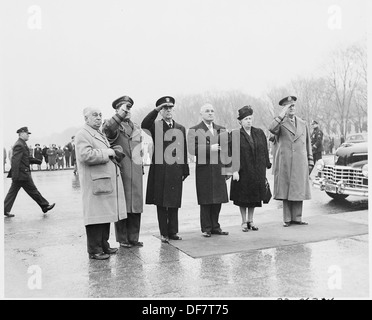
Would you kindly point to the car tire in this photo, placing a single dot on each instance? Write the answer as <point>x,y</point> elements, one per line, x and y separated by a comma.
<point>337,196</point>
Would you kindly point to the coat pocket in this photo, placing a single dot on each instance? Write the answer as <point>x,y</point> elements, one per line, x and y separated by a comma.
<point>102,185</point>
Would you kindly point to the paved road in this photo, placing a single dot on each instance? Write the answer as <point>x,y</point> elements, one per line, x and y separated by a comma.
<point>45,255</point>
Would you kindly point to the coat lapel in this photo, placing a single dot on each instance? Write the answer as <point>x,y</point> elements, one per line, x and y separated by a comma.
<point>97,135</point>
<point>300,128</point>
<point>289,126</point>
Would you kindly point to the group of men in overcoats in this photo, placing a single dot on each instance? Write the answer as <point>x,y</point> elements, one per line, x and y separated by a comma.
<point>111,169</point>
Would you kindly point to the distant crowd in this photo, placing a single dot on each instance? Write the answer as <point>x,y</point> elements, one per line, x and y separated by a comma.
<point>54,157</point>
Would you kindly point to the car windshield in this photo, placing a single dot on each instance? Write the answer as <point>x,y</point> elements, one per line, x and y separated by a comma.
<point>357,137</point>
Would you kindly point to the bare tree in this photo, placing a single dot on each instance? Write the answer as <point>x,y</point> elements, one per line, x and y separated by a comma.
<point>343,79</point>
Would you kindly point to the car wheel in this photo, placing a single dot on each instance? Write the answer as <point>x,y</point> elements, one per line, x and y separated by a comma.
<point>337,196</point>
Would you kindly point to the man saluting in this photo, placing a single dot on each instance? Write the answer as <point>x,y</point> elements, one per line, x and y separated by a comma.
<point>169,167</point>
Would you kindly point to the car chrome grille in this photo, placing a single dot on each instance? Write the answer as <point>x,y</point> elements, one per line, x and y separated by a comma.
<point>350,176</point>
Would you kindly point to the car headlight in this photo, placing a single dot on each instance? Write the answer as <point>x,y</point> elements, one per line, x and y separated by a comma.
<point>320,164</point>
<point>365,170</point>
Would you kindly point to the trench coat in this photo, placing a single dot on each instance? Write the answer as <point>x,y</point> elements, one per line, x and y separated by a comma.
<point>293,156</point>
<point>210,180</point>
<point>165,179</point>
<point>128,136</point>
<point>253,160</point>
<point>100,179</point>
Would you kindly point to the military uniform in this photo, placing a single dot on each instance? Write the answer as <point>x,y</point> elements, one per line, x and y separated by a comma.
<point>125,133</point>
<point>168,169</point>
<point>317,142</point>
<point>293,158</point>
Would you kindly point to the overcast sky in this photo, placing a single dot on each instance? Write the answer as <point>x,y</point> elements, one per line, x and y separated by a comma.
<point>58,57</point>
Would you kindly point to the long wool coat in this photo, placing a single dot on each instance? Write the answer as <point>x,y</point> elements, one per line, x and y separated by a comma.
<point>128,136</point>
<point>100,180</point>
<point>253,162</point>
<point>210,180</point>
<point>164,184</point>
<point>292,159</point>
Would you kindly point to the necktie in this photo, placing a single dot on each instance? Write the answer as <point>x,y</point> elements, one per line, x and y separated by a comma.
<point>170,125</point>
<point>210,127</point>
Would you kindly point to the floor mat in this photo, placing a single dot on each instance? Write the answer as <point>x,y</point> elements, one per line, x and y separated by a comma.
<point>270,235</point>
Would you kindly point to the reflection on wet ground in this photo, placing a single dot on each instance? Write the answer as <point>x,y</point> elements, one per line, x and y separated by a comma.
<point>56,243</point>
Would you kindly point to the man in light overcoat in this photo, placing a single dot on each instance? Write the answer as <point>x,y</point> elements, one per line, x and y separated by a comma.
<point>293,161</point>
<point>101,184</point>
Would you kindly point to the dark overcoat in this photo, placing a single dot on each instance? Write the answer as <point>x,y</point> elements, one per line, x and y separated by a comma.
<point>317,140</point>
<point>20,162</point>
<point>128,136</point>
<point>169,162</point>
<point>209,172</point>
<point>253,161</point>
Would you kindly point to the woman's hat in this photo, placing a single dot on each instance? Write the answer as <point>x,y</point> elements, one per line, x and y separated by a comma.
<point>245,112</point>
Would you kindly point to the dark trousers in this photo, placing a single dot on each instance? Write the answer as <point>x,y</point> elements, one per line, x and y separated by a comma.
<point>168,221</point>
<point>67,158</point>
<point>317,156</point>
<point>127,230</point>
<point>31,190</point>
<point>209,214</point>
<point>97,237</point>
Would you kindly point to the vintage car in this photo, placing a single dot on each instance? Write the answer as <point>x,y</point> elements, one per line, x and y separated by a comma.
<point>355,138</point>
<point>347,174</point>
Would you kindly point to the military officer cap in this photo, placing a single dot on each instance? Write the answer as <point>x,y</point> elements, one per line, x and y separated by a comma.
<point>120,101</point>
<point>287,100</point>
<point>245,112</point>
<point>314,122</point>
<point>23,129</point>
<point>166,101</point>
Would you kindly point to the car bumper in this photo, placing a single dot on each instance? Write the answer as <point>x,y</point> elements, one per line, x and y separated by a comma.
<point>339,188</point>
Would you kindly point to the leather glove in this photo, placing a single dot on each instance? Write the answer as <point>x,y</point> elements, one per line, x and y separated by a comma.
<point>119,154</point>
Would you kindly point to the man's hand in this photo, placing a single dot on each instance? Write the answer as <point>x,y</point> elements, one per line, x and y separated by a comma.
<point>284,111</point>
<point>111,152</point>
<point>158,108</point>
<point>236,176</point>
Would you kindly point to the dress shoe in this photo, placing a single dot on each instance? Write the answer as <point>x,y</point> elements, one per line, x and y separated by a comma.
<point>286,224</point>
<point>300,223</point>
<point>206,234</point>
<point>49,207</point>
<point>8,214</point>
<point>175,237</point>
<point>251,226</point>
<point>125,245</point>
<point>111,250</point>
<point>221,233</point>
<point>137,243</point>
<point>99,256</point>
<point>164,239</point>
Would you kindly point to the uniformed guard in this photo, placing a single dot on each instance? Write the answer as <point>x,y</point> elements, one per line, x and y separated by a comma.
<point>169,167</point>
<point>316,141</point>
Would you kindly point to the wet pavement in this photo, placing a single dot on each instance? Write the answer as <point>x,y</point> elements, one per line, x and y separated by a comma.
<point>45,254</point>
